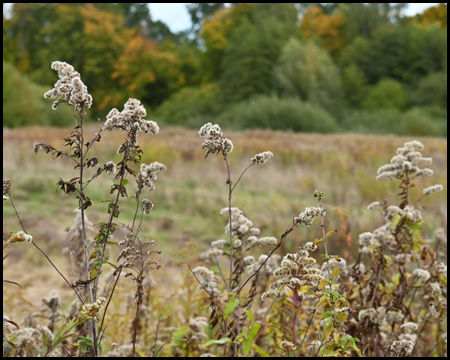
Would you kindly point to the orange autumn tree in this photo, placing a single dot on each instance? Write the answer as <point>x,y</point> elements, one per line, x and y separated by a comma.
<point>148,71</point>
<point>328,28</point>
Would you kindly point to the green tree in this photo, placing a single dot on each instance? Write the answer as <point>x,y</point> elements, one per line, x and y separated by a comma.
<point>253,50</point>
<point>364,19</point>
<point>405,53</point>
<point>431,90</point>
<point>355,85</point>
<point>306,70</point>
<point>386,94</point>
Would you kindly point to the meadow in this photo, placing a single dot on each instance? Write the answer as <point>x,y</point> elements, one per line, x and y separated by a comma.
<point>188,199</point>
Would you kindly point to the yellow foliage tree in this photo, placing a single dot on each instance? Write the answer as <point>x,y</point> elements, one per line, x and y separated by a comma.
<point>328,28</point>
<point>435,15</point>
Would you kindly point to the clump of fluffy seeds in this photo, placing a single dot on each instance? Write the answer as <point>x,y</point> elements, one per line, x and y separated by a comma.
<point>70,86</point>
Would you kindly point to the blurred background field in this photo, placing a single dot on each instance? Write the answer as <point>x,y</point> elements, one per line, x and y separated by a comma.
<point>191,192</point>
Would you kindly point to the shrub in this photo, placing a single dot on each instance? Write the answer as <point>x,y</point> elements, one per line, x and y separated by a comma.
<point>386,94</point>
<point>199,105</point>
<point>23,103</point>
<point>431,90</point>
<point>270,112</point>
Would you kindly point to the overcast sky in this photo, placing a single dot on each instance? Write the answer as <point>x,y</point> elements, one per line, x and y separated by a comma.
<point>177,17</point>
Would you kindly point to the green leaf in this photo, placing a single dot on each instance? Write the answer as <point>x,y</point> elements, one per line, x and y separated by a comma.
<point>352,346</point>
<point>232,304</point>
<point>251,337</point>
<point>250,315</point>
<point>395,220</point>
<point>396,279</point>
<point>334,293</point>
<point>260,351</point>
<point>219,342</point>
<point>327,314</point>
<point>107,262</point>
<point>124,182</point>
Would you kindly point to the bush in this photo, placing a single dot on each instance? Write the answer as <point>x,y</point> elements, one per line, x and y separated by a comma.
<point>431,90</point>
<point>417,122</point>
<point>190,107</point>
<point>270,112</point>
<point>386,94</point>
<point>24,104</point>
<point>370,122</point>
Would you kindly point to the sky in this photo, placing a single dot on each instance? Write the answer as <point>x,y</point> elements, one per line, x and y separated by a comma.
<point>177,18</point>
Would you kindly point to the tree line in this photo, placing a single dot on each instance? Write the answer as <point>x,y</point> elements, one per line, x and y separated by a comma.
<point>319,67</point>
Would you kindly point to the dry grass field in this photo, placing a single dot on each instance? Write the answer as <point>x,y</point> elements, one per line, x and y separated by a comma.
<point>189,196</point>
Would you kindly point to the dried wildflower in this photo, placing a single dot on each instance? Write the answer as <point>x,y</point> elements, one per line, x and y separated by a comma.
<point>365,239</point>
<point>433,189</point>
<point>147,205</point>
<point>240,225</point>
<point>261,158</point>
<point>92,311</point>
<point>20,237</point>
<point>197,326</point>
<point>439,235</point>
<point>435,289</point>
<point>271,294</point>
<point>208,280</point>
<point>29,340</point>
<point>267,241</point>
<point>333,263</point>
<point>374,205</point>
<point>6,187</point>
<point>214,143</point>
<point>441,268</point>
<point>248,260</point>
<point>91,162</point>
<point>41,146</point>
<point>218,244</point>
<point>110,167</point>
<point>394,317</point>
<point>401,347</point>
<point>307,217</point>
<point>409,327</point>
<point>376,316</point>
<point>421,274</point>
<point>53,300</point>
<point>406,163</point>
<point>411,213</point>
<point>70,86</point>
<point>287,345</point>
<point>147,175</point>
<point>130,119</point>
<point>255,265</point>
<point>309,246</point>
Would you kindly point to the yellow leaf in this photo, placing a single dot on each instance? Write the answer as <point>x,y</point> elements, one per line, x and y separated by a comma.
<point>322,284</point>
<point>335,273</point>
<point>317,241</point>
